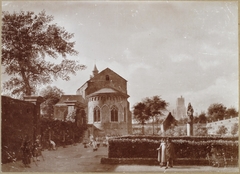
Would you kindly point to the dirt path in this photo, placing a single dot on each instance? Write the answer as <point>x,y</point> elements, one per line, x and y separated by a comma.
<point>69,159</point>
<point>80,159</point>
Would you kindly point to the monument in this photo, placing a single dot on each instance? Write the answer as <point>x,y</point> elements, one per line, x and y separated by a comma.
<point>190,120</point>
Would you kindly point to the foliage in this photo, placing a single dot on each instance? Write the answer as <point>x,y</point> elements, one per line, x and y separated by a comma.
<point>71,116</point>
<point>182,121</point>
<point>139,114</point>
<point>145,147</point>
<point>231,112</point>
<point>175,131</point>
<point>27,40</point>
<point>61,132</point>
<point>202,118</point>
<point>216,112</point>
<point>234,129</point>
<point>51,96</point>
<point>149,108</point>
<point>199,130</point>
<point>222,130</point>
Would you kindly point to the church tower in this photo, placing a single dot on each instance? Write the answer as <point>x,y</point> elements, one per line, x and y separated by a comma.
<point>181,108</point>
<point>95,70</point>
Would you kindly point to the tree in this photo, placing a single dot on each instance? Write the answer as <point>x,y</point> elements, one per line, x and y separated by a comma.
<point>51,96</point>
<point>231,112</point>
<point>139,114</point>
<point>155,107</point>
<point>28,40</point>
<point>222,130</point>
<point>234,129</point>
<point>216,112</point>
<point>201,118</point>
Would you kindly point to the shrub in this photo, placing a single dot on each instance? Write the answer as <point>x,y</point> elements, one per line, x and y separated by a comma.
<point>185,147</point>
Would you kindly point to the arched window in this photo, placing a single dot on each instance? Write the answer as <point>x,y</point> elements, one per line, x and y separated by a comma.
<point>96,113</point>
<point>107,77</point>
<point>114,114</point>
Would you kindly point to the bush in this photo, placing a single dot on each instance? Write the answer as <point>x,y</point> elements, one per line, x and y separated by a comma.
<point>185,147</point>
<point>61,132</point>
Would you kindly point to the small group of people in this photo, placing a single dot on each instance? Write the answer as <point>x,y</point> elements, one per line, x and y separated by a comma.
<point>217,157</point>
<point>166,153</point>
<point>33,150</point>
<point>95,142</point>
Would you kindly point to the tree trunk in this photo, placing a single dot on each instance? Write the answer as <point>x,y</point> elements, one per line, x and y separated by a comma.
<point>153,124</point>
<point>27,86</point>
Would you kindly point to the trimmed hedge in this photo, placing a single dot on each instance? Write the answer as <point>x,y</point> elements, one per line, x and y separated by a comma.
<point>185,147</point>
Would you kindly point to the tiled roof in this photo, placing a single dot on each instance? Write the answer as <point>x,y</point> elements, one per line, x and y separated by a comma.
<point>69,98</point>
<point>107,91</point>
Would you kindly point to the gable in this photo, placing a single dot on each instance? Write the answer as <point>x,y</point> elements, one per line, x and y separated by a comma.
<point>110,73</point>
<point>106,79</point>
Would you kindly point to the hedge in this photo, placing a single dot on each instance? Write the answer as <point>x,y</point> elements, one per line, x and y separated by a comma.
<point>185,147</point>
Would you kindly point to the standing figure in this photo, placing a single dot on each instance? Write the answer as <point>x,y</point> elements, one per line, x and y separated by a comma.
<point>94,144</point>
<point>26,151</point>
<point>52,145</point>
<point>91,139</point>
<point>36,150</point>
<point>162,153</point>
<point>169,153</point>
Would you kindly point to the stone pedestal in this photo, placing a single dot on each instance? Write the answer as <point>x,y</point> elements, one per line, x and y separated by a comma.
<point>189,129</point>
<point>36,100</point>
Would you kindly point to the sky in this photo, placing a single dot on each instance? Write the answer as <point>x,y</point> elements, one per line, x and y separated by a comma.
<point>170,49</point>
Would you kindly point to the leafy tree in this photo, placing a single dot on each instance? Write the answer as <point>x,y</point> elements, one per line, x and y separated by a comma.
<point>201,118</point>
<point>222,130</point>
<point>51,96</point>
<point>234,129</point>
<point>216,111</point>
<point>155,107</point>
<point>139,114</point>
<point>231,112</point>
<point>182,121</point>
<point>29,42</point>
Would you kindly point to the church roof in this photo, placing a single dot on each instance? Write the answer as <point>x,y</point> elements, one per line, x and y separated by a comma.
<point>107,91</point>
<point>70,98</point>
<point>107,70</point>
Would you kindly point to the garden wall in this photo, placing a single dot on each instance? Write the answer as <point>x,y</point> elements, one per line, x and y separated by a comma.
<point>17,121</point>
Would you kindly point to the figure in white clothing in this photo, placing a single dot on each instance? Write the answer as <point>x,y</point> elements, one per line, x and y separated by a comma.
<point>94,144</point>
<point>52,144</point>
<point>162,153</point>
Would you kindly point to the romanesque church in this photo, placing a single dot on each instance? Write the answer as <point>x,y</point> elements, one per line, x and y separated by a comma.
<point>104,97</point>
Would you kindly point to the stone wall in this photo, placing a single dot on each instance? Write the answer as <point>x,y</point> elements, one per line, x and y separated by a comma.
<point>104,104</point>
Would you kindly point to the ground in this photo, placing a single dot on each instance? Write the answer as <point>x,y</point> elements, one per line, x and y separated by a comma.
<point>80,159</point>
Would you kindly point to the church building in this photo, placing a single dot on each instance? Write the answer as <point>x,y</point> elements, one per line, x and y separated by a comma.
<point>105,99</point>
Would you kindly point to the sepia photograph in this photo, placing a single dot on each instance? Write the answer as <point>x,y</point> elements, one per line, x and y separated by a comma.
<point>120,86</point>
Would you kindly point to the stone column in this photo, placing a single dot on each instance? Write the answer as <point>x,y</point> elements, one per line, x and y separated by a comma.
<point>36,100</point>
<point>189,129</point>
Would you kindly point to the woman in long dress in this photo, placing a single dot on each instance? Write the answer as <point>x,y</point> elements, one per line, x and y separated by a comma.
<point>162,153</point>
<point>170,153</point>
